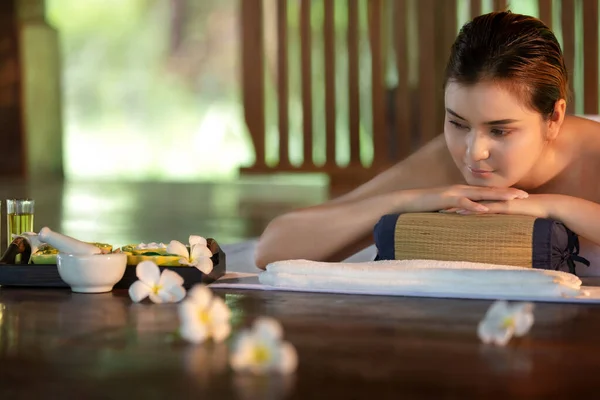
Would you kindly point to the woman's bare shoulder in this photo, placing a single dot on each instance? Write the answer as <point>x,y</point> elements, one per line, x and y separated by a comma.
<point>581,136</point>
<point>583,133</point>
<point>586,123</point>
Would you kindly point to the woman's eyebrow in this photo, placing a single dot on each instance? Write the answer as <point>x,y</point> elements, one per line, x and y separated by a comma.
<point>496,122</point>
<point>501,122</point>
<point>455,114</point>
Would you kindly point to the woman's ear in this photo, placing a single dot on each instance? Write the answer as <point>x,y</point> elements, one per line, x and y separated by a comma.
<point>556,119</point>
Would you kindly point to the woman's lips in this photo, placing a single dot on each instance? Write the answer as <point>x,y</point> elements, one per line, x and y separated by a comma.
<point>480,173</point>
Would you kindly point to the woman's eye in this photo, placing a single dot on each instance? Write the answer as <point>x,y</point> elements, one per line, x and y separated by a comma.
<point>458,125</point>
<point>499,132</point>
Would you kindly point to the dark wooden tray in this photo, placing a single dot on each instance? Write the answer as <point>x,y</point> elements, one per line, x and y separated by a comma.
<point>46,276</point>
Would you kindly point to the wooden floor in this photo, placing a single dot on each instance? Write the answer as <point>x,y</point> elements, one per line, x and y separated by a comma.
<point>58,344</point>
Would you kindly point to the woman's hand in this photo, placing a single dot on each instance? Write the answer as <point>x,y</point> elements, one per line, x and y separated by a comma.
<point>460,197</point>
<point>535,206</point>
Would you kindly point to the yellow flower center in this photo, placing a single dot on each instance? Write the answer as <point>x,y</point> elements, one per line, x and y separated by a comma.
<point>204,317</point>
<point>261,354</point>
<point>508,322</point>
<point>156,289</point>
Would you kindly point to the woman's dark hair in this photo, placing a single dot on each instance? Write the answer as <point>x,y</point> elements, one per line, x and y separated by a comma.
<point>515,50</point>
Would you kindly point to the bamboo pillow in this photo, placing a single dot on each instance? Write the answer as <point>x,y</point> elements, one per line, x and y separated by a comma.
<point>521,241</point>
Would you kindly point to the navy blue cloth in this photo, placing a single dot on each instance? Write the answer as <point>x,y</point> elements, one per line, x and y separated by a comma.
<point>384,235</point>
<point>554,245</point>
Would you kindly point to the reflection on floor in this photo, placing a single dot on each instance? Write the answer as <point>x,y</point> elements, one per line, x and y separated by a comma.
<point>121,213</point>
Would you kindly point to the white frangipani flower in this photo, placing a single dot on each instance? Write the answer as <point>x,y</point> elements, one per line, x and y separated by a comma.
<point>161,288</point>
<point>261,350</point>
<point>204,316</point>
<point>199,255</point>
<point>503,320</point>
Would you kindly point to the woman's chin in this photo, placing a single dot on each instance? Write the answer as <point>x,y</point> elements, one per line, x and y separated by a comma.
<point>487,181</point>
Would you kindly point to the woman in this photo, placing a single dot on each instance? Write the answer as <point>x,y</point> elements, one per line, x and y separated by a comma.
<point>507,147</point>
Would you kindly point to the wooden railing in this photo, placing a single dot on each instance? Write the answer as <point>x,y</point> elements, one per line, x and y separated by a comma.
<point>403,117</point>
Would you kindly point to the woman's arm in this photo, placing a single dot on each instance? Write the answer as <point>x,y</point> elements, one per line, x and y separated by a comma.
<point>328,232</point>
<point>307,233</point>
<point>579,215</point>
<point>324,232</point>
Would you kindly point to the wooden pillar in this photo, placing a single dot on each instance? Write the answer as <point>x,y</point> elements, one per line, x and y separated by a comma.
<point>41,91</point>
<point>30,100</point>
<point>12,144</point>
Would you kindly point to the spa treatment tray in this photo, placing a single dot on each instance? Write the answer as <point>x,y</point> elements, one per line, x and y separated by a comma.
<point>46,275</point>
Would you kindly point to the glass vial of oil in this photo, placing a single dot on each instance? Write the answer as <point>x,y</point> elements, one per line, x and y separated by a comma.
<point>19,217</point>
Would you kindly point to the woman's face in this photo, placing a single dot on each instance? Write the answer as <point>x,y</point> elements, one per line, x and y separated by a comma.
<point>494,139</point>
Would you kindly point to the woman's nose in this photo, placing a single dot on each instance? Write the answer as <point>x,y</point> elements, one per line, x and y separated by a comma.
<point>477,146</point>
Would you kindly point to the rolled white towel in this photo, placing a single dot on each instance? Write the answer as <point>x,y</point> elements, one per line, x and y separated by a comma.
<point>421,276</point>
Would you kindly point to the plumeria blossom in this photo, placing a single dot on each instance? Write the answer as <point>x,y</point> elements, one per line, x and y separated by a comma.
<point>161,288</point>
<point>504,320</point>
<point>199,255</point>
<point>204,316</point>
<point>262,350</point>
